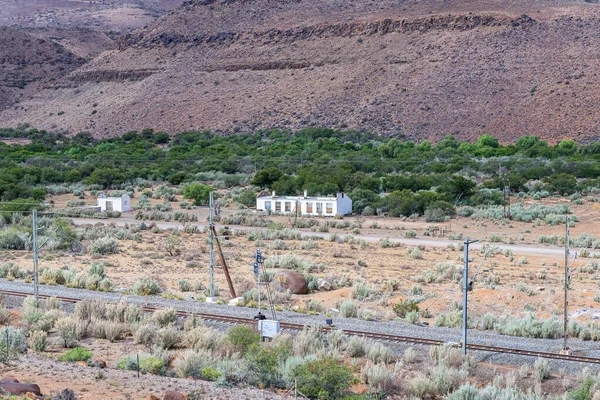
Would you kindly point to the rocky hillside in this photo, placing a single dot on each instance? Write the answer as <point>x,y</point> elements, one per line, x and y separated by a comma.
<point>423,69</point>
<point>29,63</point>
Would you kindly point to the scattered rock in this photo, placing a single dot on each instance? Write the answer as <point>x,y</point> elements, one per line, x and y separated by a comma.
<point>596,395</point>
<point>100,363</point>
<point>174,396</point>
<point>290,280</point>
<point>238,301</point>
<point>322,284</point>
<point>510,296</point>
<point>31,396</point>
<point>151,397</point>
<point>82,363</point>
<point>20,388</point>
<point>9,379</point>
<point>541,289</point>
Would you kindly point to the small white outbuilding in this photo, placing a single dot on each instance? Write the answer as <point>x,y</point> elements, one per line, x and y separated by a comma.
<point>121,204</point>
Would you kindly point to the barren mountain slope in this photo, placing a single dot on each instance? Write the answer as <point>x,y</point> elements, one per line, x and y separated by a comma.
<point>28,63</point>
<point>422,69</point>
<point>118,15</point>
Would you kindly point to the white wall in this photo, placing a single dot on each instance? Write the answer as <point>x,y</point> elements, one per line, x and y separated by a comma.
<point>339,205</point>
<point>121,204</point>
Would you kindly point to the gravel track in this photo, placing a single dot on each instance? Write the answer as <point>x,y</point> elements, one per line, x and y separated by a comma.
<point>589,348</point>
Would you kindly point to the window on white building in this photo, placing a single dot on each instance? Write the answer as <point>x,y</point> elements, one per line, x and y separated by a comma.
<point>277,206</point>
<point>329,208</point>
<point>309,207</point>
<point>288,206</point>
<point>319,208</point>
<point>267,205</point>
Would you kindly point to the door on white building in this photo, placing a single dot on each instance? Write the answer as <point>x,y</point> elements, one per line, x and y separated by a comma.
<point>109,206</point>
<point>319,208</point>
<point>267,205</point>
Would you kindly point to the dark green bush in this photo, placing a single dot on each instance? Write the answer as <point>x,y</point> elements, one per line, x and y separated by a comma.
<point>242,337</point>
<point>76,354</point>
<point>324,378</point>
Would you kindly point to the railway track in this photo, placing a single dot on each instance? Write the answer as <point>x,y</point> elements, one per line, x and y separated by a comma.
<point>368,335</point>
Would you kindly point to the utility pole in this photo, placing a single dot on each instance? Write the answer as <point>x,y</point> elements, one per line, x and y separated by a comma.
<point>35,255</point>
<point>567,278</point>
<point>211,206</point>
<point>467,286</point>
<point>506,190</point>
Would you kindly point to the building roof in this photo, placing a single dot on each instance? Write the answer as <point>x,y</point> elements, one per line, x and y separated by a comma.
<point>296,198</point>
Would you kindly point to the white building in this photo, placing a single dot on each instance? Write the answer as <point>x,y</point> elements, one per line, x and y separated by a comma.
<point>304,205</point>
<point>121,204</point>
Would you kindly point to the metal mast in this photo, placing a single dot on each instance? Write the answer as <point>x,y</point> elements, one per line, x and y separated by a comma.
<point>467,286</point>
<point>211,206</point>
<point>35,255</point>
<point>566,307</point>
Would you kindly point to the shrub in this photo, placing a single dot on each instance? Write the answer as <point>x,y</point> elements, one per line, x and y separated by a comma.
<point>76,354</point>
<point>145,334</point>
<point>409,355</point>
<point>105,245</point>
<point>168,337</point>
<point>164,317</point>
<point>541,369</point>
<point>184,285</point>
<point>4,316</point>
<point>210,374</point>
<point>192,362</point>
<point>153,365</point>
<point>348,309</point>
<point>15,345</point>
<point>337,339</point>
<point>242,337</point>
<point>412,317</point>
<point>323,378</point>
<point>356,347</point>
<point>203,338</point>
<point>360,290</point>
<point>377,352</point>
<point>66,328</point>
<point>435,215</point>
<point>404,307</point>
<point>262,365</point>
<point>377,376</point>
<point>410,234</point>
<point>308,341</point>
<point>146,286</point>
<point>415,253</point>
<point>39,340</point>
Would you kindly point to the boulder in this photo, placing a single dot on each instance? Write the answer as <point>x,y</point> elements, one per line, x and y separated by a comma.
<point>322,284</point>
<point>238,301</point>
<point>174,396</point>
<point>99,363</point>
<point>290,280</point>
<point>20,388</point>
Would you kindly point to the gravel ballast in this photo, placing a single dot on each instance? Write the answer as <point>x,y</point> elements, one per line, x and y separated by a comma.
<point>397,327</point>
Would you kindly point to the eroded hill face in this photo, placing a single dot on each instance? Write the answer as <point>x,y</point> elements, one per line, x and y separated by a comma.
<point>29,63</point>
<point>422,69</point>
